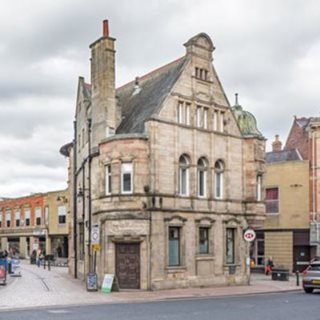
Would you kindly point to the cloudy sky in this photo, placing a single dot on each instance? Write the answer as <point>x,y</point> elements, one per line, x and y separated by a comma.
<point>267,51</point>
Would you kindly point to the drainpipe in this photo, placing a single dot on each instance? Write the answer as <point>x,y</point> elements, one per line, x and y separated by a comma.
<point>89,192</point>
<point>314,190</point>
<point>75,201</point>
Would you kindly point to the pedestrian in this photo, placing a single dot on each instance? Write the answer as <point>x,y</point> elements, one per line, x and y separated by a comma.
<point>269,265</point>
<point>38,257</point>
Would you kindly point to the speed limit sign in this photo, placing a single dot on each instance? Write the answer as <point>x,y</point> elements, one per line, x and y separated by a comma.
<point>249,235</point>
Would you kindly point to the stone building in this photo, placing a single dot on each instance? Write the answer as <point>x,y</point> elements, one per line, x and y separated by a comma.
<point>37,221</point>
<point>166,170</point>
<point>291,231</point>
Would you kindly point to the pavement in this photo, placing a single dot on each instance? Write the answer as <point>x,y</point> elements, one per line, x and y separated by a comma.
<point>38,287</point>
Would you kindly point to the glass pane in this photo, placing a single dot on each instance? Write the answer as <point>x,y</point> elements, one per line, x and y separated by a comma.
<point>174,246</point>
<point>201,183</point>
<point>218,185</point>
<point>127,182</point>
<point>183,181</point>
<point>230,246</point>
<point>203,240</point>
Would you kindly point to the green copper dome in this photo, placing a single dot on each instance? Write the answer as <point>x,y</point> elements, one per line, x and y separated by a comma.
<point>246,121</point>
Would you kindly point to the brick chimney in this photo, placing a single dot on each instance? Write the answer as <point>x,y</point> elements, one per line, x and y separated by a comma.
<point>276,144</point>
<point>104,106</point>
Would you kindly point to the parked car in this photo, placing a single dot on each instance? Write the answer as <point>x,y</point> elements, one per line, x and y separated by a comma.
<point>311,277</point>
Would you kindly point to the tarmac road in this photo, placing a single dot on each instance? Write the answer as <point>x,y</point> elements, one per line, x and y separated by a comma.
<point>276,306</point>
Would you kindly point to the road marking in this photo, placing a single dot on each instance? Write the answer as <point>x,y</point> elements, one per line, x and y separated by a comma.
<point>61,311</point>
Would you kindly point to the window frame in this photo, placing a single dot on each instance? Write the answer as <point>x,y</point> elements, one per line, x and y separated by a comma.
<point>184,169</point>
<point>207,239</point>
<point>17,213</point>
<point>8,221</point>
<point>27,219</point>
<point>62,215</point>
<point>219,179</point>
<point>126,172</point>
<point>108,179</point>
<point>202,171</point>
<point>233,242</point>
<point>259,187</point>
<point>36,210</point>
<point>274,202</point>
<point>178,244</point>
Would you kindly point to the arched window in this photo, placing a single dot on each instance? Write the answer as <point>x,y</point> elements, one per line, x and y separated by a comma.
<point>218,177</point>
<point>184,175</point>
<point>259,187</point>
<point>202,177</point>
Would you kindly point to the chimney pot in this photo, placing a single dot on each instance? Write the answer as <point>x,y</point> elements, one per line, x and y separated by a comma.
<point>105,28</point>
<point>276,144</point>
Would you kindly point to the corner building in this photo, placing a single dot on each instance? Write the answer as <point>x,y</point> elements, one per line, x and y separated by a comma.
<point>167,170</point>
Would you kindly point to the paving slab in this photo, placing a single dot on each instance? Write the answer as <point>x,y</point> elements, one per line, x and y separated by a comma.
<point>38,287</point>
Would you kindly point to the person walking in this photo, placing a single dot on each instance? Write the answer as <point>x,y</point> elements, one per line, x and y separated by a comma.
<point>269,265</point>
<point>39,256</point>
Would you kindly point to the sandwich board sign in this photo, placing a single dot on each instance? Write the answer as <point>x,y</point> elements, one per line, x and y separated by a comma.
<point>107,283</point>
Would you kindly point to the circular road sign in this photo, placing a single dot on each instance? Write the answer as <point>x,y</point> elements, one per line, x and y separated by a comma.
<point>249,235</point>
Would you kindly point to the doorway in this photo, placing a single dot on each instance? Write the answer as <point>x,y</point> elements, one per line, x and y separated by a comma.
<point>128,265</point>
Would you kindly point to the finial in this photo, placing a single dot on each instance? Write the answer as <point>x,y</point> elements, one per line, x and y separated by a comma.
<point>236,99</point>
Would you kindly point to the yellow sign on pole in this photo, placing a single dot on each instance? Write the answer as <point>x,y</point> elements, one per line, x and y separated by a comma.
<point>96,247</point>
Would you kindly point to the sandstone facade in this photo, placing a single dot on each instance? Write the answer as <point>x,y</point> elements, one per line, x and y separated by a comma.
<point>165,170</point>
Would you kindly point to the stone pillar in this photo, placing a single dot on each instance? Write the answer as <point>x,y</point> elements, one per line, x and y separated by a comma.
<point>33,241</point>
<point>23,247</point>
<point>48,244</point>
<point>4,243</point>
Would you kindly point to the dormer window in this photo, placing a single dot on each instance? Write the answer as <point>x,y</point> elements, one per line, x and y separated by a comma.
<point>201,74</point>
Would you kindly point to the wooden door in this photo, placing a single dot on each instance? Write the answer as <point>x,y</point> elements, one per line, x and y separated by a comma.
<point>128,265</point>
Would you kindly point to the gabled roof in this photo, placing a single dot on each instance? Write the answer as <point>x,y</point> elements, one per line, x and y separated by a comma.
<point>141,98</point>
<point>283,155</point>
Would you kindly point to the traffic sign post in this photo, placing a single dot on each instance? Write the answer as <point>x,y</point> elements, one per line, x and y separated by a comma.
<point>249,235</point>
<point>95,243</point>
<point>95,235</point>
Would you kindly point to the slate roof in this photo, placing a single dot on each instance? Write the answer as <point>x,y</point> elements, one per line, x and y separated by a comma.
<point>139,102</point>
<point>283,155</point>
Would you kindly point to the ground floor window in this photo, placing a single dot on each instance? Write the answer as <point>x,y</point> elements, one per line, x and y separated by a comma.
<point>174,246</point>
<point>257,250</point>
<point>230,245</point>
<point>203,240</point>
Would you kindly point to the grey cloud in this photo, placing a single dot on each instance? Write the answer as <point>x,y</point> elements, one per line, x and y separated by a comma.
<point>45,47</point>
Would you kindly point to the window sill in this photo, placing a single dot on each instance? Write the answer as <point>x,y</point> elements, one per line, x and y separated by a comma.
<point>204,257</point>
<point>272,213</point>
<point>176,269</point>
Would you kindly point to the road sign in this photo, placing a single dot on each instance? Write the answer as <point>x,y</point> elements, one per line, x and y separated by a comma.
<point>249,235</point>
<point>95,235</point>
<point>96,247</point>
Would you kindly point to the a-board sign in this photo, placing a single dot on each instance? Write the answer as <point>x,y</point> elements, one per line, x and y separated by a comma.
<point>15,265</point>
<point>107,283</point>
<point>92,281</point>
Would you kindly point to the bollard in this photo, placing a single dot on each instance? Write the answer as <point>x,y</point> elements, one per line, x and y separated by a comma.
<point>297,278</point>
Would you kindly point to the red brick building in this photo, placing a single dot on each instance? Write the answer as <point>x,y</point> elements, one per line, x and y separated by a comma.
<point>23,224</point>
